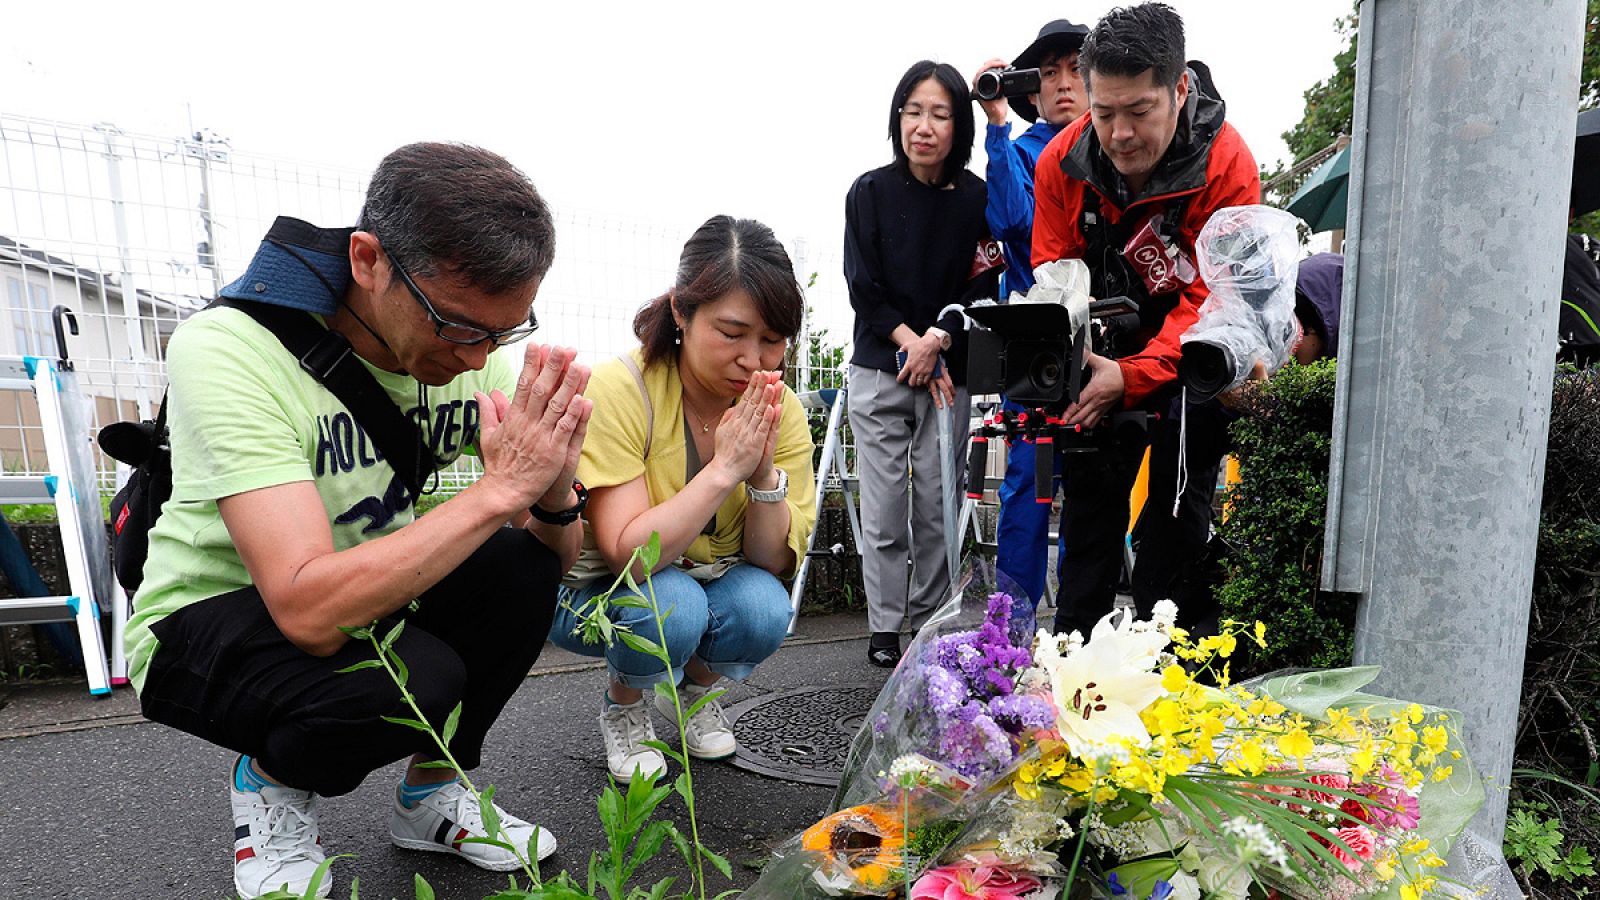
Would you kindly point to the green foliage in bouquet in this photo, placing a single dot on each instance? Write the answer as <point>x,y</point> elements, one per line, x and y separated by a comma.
<point>1274,525</point>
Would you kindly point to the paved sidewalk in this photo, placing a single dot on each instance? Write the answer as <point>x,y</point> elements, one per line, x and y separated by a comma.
<point>96,802</point>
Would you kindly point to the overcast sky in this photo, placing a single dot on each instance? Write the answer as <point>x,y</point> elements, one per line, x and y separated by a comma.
<point>667,112</point>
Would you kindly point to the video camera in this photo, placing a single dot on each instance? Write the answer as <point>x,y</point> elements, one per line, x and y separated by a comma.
<point>993,84</point>
<point>1033,350</point>
<point>1249,257</point>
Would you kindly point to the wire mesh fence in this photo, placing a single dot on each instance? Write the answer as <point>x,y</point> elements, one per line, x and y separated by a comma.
<point>133,233</point>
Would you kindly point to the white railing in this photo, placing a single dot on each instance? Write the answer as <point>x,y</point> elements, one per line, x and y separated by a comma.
<point>135,232</point>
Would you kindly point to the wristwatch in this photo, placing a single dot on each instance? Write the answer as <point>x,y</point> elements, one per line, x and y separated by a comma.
<point>775,495</point>
<point>565,516</point>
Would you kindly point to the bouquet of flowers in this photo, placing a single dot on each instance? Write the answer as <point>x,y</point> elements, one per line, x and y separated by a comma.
<point>1002,765</point>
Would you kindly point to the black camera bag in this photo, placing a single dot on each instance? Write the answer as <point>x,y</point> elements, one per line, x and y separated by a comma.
<point>142,445</point>
<point>328,357</point>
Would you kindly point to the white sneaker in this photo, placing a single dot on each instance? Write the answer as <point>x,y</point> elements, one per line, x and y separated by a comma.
<point>625,729</point>
<point>707,734</point>
<point>275,841</point>
<point>442,820</point>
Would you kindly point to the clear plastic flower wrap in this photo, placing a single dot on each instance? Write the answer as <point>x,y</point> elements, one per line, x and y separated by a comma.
<point>949,724</point>
<point>1430,813</point>
<point>954,699</point>
<point>1249,257</point>
<point>1150,775</point>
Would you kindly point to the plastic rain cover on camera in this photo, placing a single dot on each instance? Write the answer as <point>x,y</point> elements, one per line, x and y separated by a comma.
<point>950,724</point>
<point>1064,282</point>
<point>1249,257</point>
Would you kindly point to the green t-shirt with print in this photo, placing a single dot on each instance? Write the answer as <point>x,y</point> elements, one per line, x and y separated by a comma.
<point>243,416</point>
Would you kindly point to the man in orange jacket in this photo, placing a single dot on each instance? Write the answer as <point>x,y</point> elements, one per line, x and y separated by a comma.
<point>1127,189</point>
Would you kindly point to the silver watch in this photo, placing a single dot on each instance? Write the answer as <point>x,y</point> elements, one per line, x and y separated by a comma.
<point>775,495</point>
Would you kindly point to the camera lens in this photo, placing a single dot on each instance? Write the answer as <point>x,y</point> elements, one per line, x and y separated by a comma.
<point>1045,373</point>
<point>988,87</point>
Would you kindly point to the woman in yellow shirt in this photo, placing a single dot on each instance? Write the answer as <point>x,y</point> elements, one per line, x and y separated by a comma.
<point>695,436</point>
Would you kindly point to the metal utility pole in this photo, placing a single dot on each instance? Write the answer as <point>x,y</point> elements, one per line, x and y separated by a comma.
<point>207,148</point>
<point>132,320</point>
<point>1464,121</point>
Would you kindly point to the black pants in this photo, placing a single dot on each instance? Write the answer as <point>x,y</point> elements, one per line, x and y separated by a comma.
<point>225,673</point>
<point>1094,524</point>
<point>1172,549</point>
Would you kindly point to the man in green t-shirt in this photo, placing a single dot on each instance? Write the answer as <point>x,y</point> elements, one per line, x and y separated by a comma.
<point>286,524</point>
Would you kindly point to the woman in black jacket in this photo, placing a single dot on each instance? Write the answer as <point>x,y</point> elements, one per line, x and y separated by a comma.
<point>914,255</point>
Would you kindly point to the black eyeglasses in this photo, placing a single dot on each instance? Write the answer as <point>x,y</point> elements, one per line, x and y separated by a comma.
<point>455,332</point>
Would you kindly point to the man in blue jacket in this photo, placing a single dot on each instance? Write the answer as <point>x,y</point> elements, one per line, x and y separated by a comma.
<point>1024,523</point>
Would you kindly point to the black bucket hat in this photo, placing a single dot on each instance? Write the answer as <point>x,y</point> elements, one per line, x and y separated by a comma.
<point>1060,36</point>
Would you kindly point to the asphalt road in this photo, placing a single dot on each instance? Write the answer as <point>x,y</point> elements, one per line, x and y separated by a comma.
<point>123,808</point>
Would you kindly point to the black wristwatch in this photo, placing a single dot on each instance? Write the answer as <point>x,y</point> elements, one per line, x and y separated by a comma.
<point>566,516</point>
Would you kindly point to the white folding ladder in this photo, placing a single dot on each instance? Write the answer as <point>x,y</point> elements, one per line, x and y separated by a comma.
<point>71,485</point>
<point>832,474</point>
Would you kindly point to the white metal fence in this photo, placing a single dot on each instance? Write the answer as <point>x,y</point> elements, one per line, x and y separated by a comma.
<point>135,232</point>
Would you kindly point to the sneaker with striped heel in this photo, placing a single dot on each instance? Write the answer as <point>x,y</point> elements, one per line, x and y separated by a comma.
<point>442,821</point>
<point>276,843</point>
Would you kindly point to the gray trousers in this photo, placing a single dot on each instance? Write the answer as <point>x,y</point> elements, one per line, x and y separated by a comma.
<point>896,438</point>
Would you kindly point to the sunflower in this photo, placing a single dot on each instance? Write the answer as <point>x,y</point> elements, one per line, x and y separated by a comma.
<point>866,842</point>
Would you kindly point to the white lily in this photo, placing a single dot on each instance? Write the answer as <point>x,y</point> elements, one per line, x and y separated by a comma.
<point>1101,688</point>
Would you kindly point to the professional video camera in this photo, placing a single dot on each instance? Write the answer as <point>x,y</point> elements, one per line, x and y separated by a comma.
<point>993,84</point>
<point>1249,257</point>
<point>1032,350</point>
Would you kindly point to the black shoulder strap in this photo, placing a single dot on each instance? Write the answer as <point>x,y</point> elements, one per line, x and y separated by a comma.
<point>328,357</point>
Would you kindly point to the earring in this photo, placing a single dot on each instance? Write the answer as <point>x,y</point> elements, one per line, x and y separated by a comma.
<point>677,336</point>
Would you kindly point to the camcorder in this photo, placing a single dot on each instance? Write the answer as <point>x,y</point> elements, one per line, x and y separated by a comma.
<point>1249,256</point>
<point>1008,82</point>
<point>1032,353</point>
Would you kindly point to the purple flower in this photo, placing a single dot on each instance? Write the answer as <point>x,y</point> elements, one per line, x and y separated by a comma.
<point>1019,711</point>
<point>946,692</point>
<point>970,684</point>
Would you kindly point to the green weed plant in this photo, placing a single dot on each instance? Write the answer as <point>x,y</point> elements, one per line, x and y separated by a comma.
<point>633,835</point>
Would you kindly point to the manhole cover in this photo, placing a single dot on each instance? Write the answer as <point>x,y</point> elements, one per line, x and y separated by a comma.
<point>801,735</point>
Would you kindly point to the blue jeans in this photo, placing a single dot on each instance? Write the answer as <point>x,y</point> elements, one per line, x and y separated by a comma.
<point>1023,534</point>
<point>731,624</point>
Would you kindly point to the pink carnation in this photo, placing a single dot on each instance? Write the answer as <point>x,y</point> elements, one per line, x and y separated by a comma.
<point>1328,780</point>
<point>1359,839</point>
<point>966,881</point>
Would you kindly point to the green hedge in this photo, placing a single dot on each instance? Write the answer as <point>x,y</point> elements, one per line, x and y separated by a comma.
<point>1273,530</point>
<point>1273,542</point>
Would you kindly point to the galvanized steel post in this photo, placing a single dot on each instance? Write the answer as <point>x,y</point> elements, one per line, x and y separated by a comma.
<point>1464,121</point>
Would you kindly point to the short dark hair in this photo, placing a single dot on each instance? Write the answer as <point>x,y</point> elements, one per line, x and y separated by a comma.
<point>1058,53</point>
<point>960,111</point>
<point>722,255</point>
<point>1132,39</point>
<point>460,210</point>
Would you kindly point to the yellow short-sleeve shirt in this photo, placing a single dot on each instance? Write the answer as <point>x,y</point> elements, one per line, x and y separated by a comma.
<point>614,452</point>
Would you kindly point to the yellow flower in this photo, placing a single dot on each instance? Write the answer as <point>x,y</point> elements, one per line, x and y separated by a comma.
<point>1414,714</point>
<point>1078,781</point>
<point>1249,758</point>
<point>1443,773</point>
<point>1362,761</point>
<point>1261,635</point>
<point>1164,717</point>
<point>1339,720</point>
<point>1435,738</point>
<point>1296,744</point>
<point>1174,679</point>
